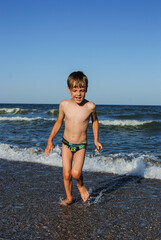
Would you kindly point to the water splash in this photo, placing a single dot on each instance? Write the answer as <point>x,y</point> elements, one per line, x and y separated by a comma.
<point>134,164</point>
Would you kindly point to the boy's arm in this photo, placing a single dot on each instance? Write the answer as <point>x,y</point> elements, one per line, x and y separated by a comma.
<point>95,126</point>
<point>55,130</point>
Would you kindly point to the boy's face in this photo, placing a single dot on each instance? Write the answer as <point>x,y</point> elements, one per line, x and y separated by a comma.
<point>77,93</point>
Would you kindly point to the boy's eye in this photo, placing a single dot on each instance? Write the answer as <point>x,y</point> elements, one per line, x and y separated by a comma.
<point>81,90</point>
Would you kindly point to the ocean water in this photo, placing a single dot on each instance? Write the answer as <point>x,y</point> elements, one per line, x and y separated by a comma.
<point>131,138</point>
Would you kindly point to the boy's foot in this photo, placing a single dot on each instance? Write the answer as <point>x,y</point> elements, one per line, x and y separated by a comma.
<point>84,193</point>
<point>66,202</point>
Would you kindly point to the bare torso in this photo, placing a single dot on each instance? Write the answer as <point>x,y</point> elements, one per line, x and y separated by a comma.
<point>76,120</point>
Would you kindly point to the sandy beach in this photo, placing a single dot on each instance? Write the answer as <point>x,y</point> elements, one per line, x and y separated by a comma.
<point>120,207</point>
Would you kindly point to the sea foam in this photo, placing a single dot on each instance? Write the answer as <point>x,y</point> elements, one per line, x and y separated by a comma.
<point>17,111</point>
<point>130,164</point>
<point>53,112</point>
<point>124,122</point>
<point>27,119</point>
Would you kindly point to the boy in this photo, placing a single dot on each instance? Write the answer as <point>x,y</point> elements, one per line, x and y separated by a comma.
<point>77,112</point>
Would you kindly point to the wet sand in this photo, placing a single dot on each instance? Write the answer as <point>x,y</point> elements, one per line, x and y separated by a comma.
<point>120,207</point>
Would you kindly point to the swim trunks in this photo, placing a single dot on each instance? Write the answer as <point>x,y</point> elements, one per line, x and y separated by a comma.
<point>74,147</point>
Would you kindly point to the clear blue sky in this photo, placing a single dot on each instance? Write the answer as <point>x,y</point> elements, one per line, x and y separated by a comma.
<point>116,43</point>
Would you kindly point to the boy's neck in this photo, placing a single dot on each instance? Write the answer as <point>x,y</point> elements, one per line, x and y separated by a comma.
<point>80,104</point>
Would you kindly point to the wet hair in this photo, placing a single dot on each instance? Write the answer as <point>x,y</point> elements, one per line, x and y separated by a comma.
<point>77,79</point>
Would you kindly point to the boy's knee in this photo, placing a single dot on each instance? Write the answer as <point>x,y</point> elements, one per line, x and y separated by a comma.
<point>67,175</point>
<point>76,174</point>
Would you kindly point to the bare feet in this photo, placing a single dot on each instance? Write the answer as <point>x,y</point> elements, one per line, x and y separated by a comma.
<point>66,202</point>
<point>83,192</point>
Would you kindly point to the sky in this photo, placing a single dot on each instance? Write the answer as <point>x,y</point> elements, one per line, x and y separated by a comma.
<point>116,43</point>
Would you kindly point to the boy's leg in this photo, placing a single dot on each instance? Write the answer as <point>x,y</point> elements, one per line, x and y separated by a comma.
<point>77,173</point>
<point>67,165</point>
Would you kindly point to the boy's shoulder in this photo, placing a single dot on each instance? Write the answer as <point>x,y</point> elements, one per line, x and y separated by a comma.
<point>64,102</point>
<point>91,105</point>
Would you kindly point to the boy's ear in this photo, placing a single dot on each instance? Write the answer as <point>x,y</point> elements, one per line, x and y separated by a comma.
<point>69,90</point>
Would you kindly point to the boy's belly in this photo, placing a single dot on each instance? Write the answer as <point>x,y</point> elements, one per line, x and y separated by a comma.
<point>75,136</point>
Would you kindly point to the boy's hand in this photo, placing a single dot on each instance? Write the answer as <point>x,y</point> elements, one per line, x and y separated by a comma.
<point>99,146</point>
<point>49,148</point>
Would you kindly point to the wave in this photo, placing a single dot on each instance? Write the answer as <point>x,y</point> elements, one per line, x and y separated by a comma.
<point>53,112</point>
<point>108,123</point>
<point>16,111</point>
<point>26,119</point>
<point>132,123</point>
<point>129,164</point>
<point>138,116</point>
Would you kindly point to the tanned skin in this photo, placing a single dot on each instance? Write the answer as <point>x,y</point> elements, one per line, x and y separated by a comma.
<point>76,112</point>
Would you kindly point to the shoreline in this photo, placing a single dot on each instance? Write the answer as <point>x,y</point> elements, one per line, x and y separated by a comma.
<point>119,207</point>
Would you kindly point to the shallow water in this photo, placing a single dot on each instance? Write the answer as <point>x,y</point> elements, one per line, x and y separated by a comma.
<point>131,137</point>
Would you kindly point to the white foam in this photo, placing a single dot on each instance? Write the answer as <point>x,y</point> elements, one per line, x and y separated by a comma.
<point>25,119</point>
<point>16,111</point>
<point>53,111</point>
<point>132,164</point>
<point>123,122</point>
<point>9,110</point>
<point>30,155</point>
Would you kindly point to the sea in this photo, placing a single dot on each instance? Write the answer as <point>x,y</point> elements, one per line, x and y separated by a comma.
<point>130,135</point>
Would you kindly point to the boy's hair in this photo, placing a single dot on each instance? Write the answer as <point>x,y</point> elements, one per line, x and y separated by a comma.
<point>76,79</point>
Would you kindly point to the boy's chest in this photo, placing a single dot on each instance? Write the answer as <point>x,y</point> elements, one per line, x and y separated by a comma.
<point>77,114</point>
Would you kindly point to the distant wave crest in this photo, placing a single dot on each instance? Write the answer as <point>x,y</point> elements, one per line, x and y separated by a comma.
<point>53,112</point>
<point>132,123</point>
<point>16,111</point>
<point>26,119</point>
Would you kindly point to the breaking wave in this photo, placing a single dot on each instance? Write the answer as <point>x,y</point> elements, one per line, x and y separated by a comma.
<point>53,112</point>
<point>144,165</point>
<point>26,119</point>
<point>16,111</point>
<point>132,123</point>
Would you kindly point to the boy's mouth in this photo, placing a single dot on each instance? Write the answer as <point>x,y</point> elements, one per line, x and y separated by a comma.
<point>78,98</point>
